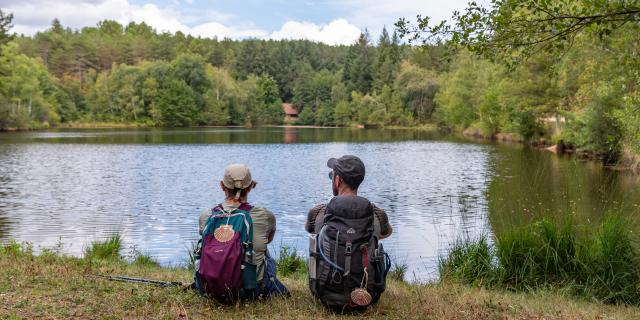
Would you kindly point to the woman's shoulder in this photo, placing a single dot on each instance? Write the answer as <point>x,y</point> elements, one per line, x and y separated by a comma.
<point>259,211</point>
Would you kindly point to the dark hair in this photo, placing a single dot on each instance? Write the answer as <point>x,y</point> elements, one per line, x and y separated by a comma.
<point>352,182</point>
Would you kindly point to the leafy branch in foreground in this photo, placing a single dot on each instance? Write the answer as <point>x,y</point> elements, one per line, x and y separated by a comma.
<point>512,31</point>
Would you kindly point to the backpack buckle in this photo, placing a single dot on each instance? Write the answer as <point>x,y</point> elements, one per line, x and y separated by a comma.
<point>348,249</point>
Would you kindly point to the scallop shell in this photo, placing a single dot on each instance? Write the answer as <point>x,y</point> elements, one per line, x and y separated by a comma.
<point>361,297</point>
<point>224,233</point>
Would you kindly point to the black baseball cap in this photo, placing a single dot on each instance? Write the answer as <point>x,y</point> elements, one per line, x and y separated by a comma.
<point>349,168</point>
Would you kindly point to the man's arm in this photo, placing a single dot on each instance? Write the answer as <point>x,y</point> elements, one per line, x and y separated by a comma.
<point>382,227</point>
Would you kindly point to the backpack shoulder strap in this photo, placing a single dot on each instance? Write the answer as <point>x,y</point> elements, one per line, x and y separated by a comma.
<point>217,208</point>
<point>245,209</point>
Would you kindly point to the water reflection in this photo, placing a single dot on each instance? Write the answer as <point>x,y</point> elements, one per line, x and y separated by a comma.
<point>215,135</point>
<point>150,185</point>
<point>529,184</point>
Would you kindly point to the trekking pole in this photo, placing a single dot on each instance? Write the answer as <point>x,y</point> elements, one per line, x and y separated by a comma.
<point>162,284</point>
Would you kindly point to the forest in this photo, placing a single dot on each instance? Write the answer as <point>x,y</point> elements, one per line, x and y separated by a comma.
<point>586,95</point>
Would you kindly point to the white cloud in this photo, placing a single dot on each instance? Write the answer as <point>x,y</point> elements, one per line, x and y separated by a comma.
<point>373,15</point>
<point>336,32</point>
<point>33,16</point>
<point>210,29</point>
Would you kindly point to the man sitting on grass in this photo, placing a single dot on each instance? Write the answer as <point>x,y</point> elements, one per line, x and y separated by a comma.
<point>347,265</point>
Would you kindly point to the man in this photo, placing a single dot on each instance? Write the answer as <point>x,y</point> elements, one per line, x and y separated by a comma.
<point>236,185</point>
<point>347,174</point>
<point>347,266</point>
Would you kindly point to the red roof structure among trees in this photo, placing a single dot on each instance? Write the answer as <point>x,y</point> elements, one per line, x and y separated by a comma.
<point>289,109</point>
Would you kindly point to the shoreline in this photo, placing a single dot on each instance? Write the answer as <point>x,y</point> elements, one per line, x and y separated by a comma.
<point>52,285</point>
<point>627,161</point>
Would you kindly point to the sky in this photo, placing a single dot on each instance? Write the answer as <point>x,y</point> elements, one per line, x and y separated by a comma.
<point>330,21</point>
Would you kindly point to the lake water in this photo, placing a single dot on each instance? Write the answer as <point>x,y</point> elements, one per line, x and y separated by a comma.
<point>150,185</point>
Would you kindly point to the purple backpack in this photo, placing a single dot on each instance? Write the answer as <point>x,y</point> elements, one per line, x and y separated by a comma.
<point>225,268</point>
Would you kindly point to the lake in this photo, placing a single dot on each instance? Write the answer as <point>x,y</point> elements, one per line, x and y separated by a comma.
<point>76,186</point>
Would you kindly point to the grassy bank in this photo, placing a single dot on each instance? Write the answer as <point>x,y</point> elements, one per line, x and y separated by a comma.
<point>598,263</point>
<point>52,285</point>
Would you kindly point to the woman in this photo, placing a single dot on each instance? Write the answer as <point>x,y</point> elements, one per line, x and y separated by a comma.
<point>236,185</point>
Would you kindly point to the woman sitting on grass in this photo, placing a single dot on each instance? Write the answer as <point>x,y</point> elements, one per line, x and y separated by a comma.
<point>232,259</point>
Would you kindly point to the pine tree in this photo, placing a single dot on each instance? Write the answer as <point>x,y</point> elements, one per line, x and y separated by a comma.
<point>5,26</point>
<point>358,70</point>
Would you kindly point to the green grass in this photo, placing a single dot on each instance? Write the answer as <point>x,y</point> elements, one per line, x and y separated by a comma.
<point>145,260</point>
<point>601,263</point>
<point>289,262</point>
<point>108,249</point>
<point>470,262</point>
<point>55,286</point>
<point>398,271</point>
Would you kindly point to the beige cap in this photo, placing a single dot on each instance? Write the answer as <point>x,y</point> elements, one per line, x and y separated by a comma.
<point>237,176</point>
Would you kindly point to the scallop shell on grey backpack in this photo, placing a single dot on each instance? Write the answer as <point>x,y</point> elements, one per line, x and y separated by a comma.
<point>361,297</point>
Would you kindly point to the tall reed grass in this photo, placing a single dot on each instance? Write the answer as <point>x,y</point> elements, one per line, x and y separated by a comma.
<point>108,249</point>
<point>602,263</point>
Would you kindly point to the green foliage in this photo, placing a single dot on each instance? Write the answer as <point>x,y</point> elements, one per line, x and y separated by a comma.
<point>388,60</point>
<point>511,31</point>
<point>461,91</point>
<point>612,263</point>
<point>306,117</point>
<point>5,26</point>
<point>525,123</point>
<point>470,262</point>
<point>108,249</point>
<point>29,96</point>
<point>145,261</point>
<point>417,87</point>
<point>588,96</point>
<point>174,105</point>
<point>17,249</point>
<point>289,262</point>
<point>538,254</point>
<point>358,69</point>
<point>602,264</point>
<point>398,272</point>
<point>491,112</point>
<point>343,114</point>
<point>598,128</point>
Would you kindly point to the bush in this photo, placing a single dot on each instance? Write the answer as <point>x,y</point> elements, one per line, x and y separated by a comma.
<point>470,262</point>
<point>538,254</point>
<point>289,262</point>
<point>544,255</point>
<point>611,264</point>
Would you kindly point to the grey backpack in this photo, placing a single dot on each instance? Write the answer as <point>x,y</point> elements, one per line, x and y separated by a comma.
<point>347,265</point>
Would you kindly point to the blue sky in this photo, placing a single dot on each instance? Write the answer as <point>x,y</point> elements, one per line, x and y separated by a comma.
<point>329,21</point>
